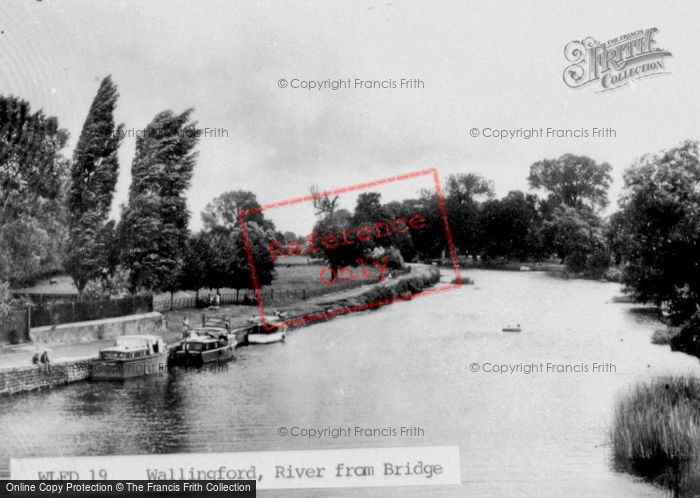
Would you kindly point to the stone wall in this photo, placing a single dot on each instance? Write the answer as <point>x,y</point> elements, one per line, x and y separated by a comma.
<point>108,328</point>
<point>29,378</point>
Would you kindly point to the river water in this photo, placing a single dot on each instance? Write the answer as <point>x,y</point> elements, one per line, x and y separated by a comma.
<point>408,364</point>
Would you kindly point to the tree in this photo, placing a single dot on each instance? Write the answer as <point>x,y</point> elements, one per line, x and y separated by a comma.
<point>224,210</point>
<point>402,240</point>
<point>660,209</point>
<point>429,242</point>
<point>469,187</point>
<point>154,223</point>
<point>368,211</point>
<point>196,262</point>
<point>575,181</point>
<point>228,264</point>
<point>578,237</point>
<point>340,254</point>
<point>288,237</point>
<point>324,205</point>
<point>222,258</point>
<point>510,227</point>
<point>32,187</point>
<point>258,238</point>
<point>93,179</point>
<point>465,192</point>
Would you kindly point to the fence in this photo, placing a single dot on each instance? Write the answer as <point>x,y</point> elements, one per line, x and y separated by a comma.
<point>164,303</point>
<point>42,297</point>
<point>81,311</point>
<point>269,295</point>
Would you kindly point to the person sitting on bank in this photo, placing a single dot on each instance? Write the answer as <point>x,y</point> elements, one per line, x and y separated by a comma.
<point>46,361</point>
<point>35,358</point>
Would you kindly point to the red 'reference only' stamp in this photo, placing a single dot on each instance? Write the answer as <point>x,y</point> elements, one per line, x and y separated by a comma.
<point>369,269</point>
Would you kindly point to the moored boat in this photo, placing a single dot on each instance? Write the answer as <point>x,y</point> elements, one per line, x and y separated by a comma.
<point>202,346</point>
<point>273,330</point>
<point>131,356</point>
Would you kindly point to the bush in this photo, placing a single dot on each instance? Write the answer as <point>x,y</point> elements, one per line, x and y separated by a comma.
<point>110,286</point>
<point>664,336</point>
<point>6,300</point>
<point>394,259</point>
<point>688,339</point>
<point>613,274</point>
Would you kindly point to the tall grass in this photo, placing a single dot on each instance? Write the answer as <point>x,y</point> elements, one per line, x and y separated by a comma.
<point>656,429</point>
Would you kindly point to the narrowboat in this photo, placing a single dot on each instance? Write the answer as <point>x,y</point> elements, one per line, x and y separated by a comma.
<point>203,345</point>
<point>131,356</point>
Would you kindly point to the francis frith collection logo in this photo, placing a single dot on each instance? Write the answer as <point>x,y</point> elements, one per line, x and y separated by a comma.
<point>614,63</point>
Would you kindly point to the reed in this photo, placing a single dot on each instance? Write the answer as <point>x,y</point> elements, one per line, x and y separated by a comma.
<point>656,429</point>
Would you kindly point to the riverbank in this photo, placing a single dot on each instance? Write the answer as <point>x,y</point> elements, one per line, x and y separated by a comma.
<point>612,274</point>
<point>514,266</point>
<point>71,362</point>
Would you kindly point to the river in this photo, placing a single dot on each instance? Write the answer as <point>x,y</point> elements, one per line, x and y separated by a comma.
<point>408,364</point>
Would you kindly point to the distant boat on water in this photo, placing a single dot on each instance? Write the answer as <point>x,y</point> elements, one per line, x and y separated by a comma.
<point>510,328</point>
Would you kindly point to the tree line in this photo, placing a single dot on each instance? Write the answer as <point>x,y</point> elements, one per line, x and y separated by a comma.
<point>54,215</point>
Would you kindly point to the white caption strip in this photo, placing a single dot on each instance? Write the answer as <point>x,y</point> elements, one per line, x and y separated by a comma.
<point>401,466</point>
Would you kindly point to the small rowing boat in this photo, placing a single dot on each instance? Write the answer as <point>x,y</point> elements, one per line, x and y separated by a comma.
<point>271,330</point>
<point>510,328</point>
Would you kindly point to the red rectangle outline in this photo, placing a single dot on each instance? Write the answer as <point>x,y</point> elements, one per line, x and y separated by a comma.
<point>360,307</point>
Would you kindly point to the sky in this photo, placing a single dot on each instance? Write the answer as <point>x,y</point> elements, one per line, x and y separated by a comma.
<point>483,65</point>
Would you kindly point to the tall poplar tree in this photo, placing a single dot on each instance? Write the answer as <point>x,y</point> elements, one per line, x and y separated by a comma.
<point>93,180</point>
<point>154,223</point>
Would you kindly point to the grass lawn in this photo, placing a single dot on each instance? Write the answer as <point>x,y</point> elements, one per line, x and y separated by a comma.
<point>295,273</point>
<point>64,286</point>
